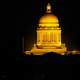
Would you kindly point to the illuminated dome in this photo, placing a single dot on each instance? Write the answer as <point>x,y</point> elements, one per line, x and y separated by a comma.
<point>48,20</point>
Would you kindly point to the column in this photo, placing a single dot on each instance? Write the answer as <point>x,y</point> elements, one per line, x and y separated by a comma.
<point>53,37</point>
<point>37,36</point>
<point>46,36</point>
<point>49,36</point>
<point>59,36</point>
<point>41,37</point>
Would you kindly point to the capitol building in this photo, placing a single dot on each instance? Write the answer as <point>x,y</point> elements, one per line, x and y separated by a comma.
<point>48,35</point>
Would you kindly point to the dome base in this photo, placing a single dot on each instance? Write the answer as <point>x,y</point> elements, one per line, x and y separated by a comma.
<point>42,51</point>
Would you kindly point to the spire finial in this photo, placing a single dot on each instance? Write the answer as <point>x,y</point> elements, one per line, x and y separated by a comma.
<point>48,8</point>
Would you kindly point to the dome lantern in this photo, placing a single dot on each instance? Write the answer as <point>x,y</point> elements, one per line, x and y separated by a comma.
<point>49,19</point>
<point>48,8</point>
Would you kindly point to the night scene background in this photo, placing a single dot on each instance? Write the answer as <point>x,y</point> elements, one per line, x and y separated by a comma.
<point>27,19</point>
<point>48,67</point>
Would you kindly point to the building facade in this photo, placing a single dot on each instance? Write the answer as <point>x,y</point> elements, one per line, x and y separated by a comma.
<point>48,35</point>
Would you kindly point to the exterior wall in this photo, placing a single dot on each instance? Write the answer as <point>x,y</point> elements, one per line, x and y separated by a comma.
<point>49,37</point>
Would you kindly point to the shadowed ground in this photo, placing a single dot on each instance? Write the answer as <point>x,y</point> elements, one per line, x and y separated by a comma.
<point>47,67</point>
<point>50,58</point>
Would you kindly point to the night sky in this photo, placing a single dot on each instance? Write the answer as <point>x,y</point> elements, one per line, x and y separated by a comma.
<point>28,14</point>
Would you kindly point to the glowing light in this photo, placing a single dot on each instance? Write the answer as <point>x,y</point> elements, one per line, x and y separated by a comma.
<point>48,8</point>
<point>48,35</point>
<point>49,20</point>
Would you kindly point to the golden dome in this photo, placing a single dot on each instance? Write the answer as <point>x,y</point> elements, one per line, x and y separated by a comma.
<point>49,20</point>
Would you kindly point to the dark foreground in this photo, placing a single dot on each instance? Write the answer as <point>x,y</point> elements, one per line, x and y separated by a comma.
<point>49,58</point>
<point>47,67</point>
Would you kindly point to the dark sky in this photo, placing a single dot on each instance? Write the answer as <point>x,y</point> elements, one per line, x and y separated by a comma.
<point>28,14</point>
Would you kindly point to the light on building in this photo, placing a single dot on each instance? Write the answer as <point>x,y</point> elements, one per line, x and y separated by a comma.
<point>48,35</point>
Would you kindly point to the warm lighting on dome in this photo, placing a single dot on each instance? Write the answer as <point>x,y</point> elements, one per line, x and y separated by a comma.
<point>49,20</point>
<point>48,35</point>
